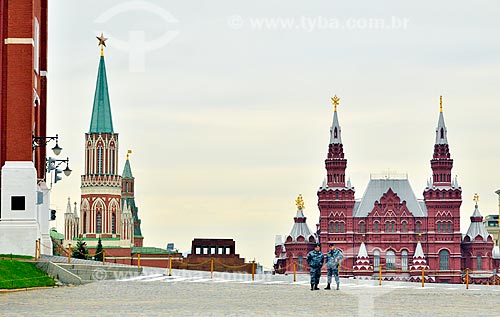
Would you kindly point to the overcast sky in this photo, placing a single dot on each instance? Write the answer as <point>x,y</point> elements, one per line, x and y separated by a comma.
<point>226,105</point>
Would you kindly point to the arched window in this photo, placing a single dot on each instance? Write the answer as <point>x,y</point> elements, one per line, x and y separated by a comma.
<point>442,133</point>
<point>336,227</point>
<point>99,160</point>
<point>479,265</point>
<point>331,227</point>
<point>376,259</point>
<point>336,195</point>
<point>113,223</point>
<point>99,223</point>
<point>299,263</point>
<point>387,227</point>
<point>404,260</point>
<point>376,226</point>
<point>362,227</point>
<point>342,227</point>
<point>444,257</point>
<point>390,260</point>
<point>393,225</point>
<point>417,227</point>
<point>438,227</point>
<point>403,226</point>
<point>335,132</point>
<point>449,226</point>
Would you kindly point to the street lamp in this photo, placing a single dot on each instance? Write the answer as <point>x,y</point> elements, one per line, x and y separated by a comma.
<point>52,165</point>
<point>39,141</point>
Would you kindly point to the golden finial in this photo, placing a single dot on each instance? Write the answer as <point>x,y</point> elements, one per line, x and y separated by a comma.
<point>335,102</point>
<point>476,198</point>
<point>299,202</point>
<point>128,153</point>
<point>102,43</point>
<point>440,103</point>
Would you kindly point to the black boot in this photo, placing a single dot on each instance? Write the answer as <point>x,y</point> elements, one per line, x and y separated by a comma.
<point>312,287</point>
<point>316,287</point>
<point>328,286</point>
<point>337,286</point>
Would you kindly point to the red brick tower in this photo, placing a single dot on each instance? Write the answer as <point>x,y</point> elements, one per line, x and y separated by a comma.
<point>24,217</point>
<point>443,198</point>
<point>336,197</point>
<point>100,211</point>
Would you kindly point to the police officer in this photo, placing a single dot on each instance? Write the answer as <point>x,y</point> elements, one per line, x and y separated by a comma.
<point>315,259</point>
<point>333,259</point>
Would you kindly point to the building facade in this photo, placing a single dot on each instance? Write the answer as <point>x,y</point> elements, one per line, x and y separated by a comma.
<point>25,197</point>
<point>389,228</point>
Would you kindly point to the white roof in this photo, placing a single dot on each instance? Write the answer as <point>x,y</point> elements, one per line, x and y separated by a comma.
<point>477,228</point>
<point>362,253</point>
<point>419,252</point>
<point>401,187</point>
<point>300,228</point>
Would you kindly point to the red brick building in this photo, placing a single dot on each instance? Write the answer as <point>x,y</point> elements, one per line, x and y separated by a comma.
<point>25,198</point>
<point>390,227</point>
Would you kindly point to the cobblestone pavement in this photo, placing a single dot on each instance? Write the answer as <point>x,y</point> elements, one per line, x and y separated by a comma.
<point>188,294</point>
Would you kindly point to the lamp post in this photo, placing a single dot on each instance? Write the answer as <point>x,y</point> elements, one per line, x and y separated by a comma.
<point>41,141</point>
<point>53,164</point>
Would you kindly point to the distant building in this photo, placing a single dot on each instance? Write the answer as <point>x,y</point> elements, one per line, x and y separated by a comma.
<point>491,224</point>
<point>220,252</point>
<point>390,227</point>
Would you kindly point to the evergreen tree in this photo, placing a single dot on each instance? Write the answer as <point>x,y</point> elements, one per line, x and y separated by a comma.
<point>98,251</point>
<point>80,251</point>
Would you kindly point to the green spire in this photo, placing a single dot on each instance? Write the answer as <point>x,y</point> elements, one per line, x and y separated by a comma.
<point>101,121</point>
<point>127,172</point>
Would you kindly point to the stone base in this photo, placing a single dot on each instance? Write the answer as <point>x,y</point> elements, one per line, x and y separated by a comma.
<point>18,237</point>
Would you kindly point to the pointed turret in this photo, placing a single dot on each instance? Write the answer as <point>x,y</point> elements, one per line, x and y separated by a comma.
<point>300,228</point>
<point>441,162</point>
<point>75,212</point>
<point>101,121</point>
<point>68,207</point>
<point>418,261</point>
<point>362,264</point>
<point>335,163</point>
<point>476,227</point>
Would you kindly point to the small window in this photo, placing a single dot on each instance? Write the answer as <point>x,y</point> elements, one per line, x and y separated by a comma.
<point>197,250</point>
<point>403,227</point>
<point>362,227</point>
<point>18,202</point>
<point>331,227</point>
<point>376,227</point>
<point>336,195</point>
<point>228,250</point>
<point>299,264</point>
<point>479,263</point>
<point>221,250</point>
<point>438,227</point>
<point>205,250</point>
<point>449,226</point>
<point>341,227</point>
<point>417,227</point>
<point>212,250</point>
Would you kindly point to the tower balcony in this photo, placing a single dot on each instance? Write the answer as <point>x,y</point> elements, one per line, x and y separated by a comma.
<point>101,180</point>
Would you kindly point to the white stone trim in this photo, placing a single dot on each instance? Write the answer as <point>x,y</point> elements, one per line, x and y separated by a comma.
<point>19,40</point>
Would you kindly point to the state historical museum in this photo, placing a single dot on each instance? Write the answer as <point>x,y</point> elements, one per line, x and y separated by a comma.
<point>391,229</point>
